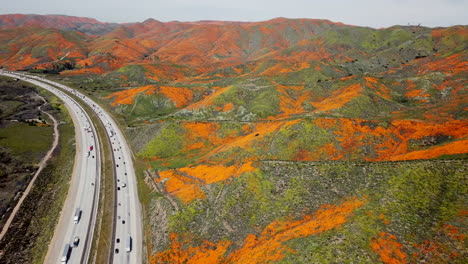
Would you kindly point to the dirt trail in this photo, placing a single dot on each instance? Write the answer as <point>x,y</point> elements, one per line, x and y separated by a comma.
<point>42,165</point>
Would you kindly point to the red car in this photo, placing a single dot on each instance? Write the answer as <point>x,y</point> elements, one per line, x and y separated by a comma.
<point>91,148</point>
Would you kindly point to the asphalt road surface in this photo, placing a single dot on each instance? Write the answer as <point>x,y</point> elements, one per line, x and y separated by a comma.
<point>84,189</point>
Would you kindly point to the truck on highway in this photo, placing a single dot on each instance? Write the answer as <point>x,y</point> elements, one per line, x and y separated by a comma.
<point>128,247</point>
<point>77,216</point>
<point>66,253</point>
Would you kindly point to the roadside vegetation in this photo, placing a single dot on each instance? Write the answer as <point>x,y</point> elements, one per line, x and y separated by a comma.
<point>25,137</point>
<point>28,237</point>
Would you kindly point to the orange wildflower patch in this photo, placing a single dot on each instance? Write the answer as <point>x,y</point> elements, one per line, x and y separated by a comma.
<point>446,111</point>
<point>94,70</point>
<point>22,62</point>
<point>452,84</point>
<point>330,151</point>
<point>205,136</point>
<point>180,96</point>
<point>448,246</point>
<point>302,154</point>
<point>161,72</point>
<point>371,80</point>
<point>268,246</point>
<point>417,92</point>
<point>457,147</point>
<point>207,101</point>
<point>389,250</point>
<point>292,99</point>
<point>326,122</point>
<point>200,131</point>
<point>261,130</point>
<point>215,173</point>
<point>347,78</point>
<point>411,85</point>
<point>193,146</point>
<point>84,63</point>
<point>184,188</point>
<point>455,128</point>
<point>453,232</point>
<point>384,219</point>
<point>228,107</point>
<point>381,89</point>
<point>127,96</point>
<point>285,67</point>
<point>446,32</point>
<point>432,251</point>
<point>339,98</point>
<point>185,183</point>
<point>451,65</point>
<point>391,143</point>
<point>207,253</point>
<point>238,70</point>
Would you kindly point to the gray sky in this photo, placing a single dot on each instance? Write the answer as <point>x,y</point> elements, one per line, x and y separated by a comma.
<point>373,13</point>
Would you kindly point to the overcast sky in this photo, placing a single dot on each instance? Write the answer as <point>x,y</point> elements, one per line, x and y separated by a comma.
<point>373,13</point>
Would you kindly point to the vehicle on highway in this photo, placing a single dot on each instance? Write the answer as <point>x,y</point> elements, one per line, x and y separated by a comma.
<point>128,247</point>
<point>86,194</point>
<point>66,253</point>
<point>77,216</point>
<point>76,241</point>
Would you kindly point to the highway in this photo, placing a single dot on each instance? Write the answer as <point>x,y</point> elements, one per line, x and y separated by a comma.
<point>84,188</point>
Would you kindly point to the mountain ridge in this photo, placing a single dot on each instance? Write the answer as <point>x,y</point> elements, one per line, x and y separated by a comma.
<point>80,24</point>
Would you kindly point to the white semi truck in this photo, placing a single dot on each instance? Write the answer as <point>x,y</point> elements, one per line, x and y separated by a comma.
<point>66,253</point>
<point>128,247</point>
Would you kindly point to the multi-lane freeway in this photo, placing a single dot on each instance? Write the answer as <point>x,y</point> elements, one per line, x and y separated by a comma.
<point>83,195</point>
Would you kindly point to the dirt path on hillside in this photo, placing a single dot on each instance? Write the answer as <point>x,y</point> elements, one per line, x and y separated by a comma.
<point>42,165</point>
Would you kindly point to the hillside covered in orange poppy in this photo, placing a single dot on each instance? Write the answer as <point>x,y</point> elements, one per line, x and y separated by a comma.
<point>281,141</point>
